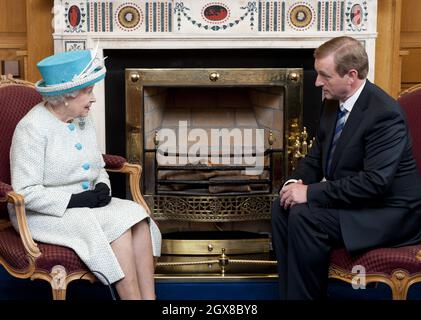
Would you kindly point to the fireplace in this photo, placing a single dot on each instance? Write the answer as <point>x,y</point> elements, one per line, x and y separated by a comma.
<point>223,130</point>
<point>215,145</point>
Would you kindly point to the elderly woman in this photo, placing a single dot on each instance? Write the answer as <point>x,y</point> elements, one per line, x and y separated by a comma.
<point>57,166</point>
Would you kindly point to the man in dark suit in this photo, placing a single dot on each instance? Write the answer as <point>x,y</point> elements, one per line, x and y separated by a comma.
<point>358,187</point>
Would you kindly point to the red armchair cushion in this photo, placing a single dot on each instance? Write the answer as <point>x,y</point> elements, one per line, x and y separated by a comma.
<point>382,260</point>
<point>57,255</point>
<point>411,103</point>
<point>113,162</point>
<point>15,102</point>
<point>12,250</point>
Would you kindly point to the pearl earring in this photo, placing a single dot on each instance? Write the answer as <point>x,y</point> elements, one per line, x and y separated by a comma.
<point>66,104</point>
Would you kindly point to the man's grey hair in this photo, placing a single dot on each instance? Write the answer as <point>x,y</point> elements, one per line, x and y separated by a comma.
<point>349,53</point>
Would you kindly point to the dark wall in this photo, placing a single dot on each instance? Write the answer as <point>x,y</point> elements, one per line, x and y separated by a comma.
<point>120,59</point>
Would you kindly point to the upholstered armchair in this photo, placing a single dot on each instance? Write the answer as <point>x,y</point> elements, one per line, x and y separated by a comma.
<point>399,268</point>
<point>20,255</point>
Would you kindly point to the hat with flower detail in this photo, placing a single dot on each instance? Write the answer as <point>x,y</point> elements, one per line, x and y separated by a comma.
<point>69,71</point>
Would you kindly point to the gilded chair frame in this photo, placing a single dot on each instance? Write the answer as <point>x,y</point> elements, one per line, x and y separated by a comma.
<point>411,89</point>
<point>399,281</point>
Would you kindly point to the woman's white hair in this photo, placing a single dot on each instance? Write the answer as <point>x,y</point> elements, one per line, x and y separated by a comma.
<point>61,98</point>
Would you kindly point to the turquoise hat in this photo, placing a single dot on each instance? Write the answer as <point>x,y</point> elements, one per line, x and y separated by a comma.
<point>69,71</point>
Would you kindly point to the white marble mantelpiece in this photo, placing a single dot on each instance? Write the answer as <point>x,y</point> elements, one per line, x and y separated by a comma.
<point>202,24</point>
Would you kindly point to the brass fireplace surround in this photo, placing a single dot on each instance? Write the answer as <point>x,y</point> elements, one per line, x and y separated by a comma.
<point>228,229</point>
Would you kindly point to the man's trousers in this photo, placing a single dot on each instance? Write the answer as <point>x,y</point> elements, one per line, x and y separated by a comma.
<point>302,240</point>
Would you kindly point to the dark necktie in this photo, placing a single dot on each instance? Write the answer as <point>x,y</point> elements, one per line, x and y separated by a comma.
<point>340,123</point>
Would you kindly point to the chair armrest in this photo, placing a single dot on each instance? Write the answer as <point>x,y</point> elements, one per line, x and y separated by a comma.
<point>120,164</point>
<point>8,195</point>
<point>113,162</point>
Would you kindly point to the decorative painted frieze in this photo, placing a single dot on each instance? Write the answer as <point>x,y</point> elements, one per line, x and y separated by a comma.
<point>71,45</point>
<point>330,15</point>
<point>100,16</point>
<point>215,16</point>
<point>210,17</point>
<point>356,15</point>
<point>74,15</point>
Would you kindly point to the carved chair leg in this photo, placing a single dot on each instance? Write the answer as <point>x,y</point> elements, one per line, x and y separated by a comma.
<point>399,293</point>
<point>59,294</point>
<point>58,282</point>
<point>400,280</point>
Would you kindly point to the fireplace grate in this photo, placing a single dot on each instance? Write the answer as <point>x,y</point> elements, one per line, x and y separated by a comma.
<point>210,179</point>
<point>211,208</point>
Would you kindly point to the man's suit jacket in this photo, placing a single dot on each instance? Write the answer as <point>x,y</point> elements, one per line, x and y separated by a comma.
<point>374,181</point>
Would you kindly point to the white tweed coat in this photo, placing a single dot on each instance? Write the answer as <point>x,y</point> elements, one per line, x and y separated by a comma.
<point>49,161</point>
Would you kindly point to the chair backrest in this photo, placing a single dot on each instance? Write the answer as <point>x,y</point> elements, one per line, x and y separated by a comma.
<point>410,100</point>
<point>16,99</point>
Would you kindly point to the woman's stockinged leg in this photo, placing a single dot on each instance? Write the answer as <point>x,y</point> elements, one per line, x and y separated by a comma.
<point>142,246</point>
<point>128,287</point>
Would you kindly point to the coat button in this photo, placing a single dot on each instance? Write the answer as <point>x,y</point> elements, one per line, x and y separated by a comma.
<point>85,185</point>
<point>71,127</point>
<point>86,166</point>
<point>78,146</point>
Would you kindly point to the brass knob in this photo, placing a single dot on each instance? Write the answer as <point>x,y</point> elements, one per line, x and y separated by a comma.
<point>134,77</point>
<point>223,262</point>
<point>156,138</point>
<point>294,77</point>
<point>271,139</point>
<point>210,247</point>
<point>214,76</point>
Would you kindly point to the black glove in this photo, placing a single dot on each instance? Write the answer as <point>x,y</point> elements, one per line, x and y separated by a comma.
<point>103,193</point>
<point>84,199</point>
<point>99,197</point>
<point>102,187</point>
